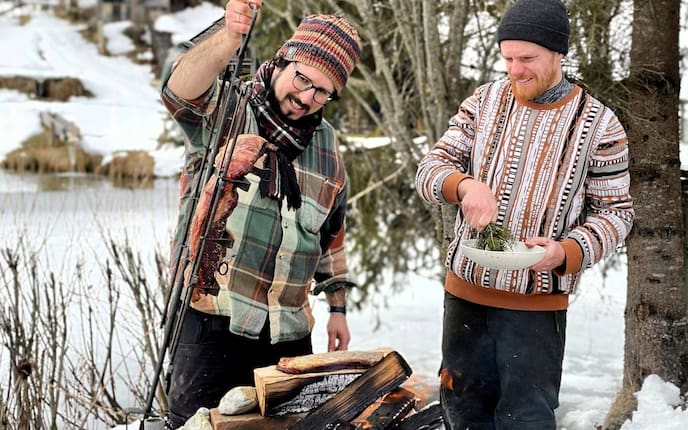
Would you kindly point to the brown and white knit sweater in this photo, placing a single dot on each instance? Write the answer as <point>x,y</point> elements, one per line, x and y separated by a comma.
<point>558,170</point>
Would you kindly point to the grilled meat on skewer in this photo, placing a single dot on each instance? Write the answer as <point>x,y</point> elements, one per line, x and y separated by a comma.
<point>248,148</point>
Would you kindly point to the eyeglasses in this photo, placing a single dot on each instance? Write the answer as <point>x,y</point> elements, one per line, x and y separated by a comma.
<point>303,83</point>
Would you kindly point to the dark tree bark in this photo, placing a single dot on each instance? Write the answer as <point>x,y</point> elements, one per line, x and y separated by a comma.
<point>656,339</point>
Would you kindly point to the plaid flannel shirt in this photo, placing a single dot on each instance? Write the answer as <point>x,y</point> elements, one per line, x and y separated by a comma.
<point>277,254</point>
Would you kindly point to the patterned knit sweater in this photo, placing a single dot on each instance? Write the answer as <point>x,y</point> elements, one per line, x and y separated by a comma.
<point>557,170</point>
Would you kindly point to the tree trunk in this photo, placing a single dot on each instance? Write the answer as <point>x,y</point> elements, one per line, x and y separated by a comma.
<point>656,339</point>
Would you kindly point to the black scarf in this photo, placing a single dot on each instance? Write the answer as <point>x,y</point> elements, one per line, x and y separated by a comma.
<point>291,138</point>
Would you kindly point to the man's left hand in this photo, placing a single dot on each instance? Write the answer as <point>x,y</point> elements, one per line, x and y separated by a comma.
<point>338,336</point>
<point>554,254</point>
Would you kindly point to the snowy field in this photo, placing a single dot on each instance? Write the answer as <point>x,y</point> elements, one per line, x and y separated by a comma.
<point>125,113</point>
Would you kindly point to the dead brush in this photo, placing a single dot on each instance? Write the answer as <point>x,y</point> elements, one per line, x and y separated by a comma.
<point>64,337</point>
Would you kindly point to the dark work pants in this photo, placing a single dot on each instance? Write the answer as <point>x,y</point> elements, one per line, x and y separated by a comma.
<point>501,369</point>
<point>210,361</point>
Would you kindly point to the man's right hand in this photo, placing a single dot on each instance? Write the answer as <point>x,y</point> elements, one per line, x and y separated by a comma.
<point>197,69</point>
<point>238,14</point>
<point>478,203</point>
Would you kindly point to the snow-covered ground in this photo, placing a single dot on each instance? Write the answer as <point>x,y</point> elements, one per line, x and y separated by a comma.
<point>125,114</point>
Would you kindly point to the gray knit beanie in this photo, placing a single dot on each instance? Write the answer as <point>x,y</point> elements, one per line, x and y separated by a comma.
<point>544,22</point>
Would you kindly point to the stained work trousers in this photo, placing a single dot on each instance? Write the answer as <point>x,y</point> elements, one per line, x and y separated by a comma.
<point>501,369</point>
<point>210,361</point>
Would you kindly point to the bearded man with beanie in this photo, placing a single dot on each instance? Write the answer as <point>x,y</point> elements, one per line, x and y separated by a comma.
<point>535,154</point>
<point>288,227</point>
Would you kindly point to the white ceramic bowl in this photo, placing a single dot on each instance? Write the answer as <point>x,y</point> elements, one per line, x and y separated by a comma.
<point>519,257</point>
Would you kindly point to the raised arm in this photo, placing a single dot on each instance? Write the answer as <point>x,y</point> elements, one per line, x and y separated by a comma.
<point>196,70</point>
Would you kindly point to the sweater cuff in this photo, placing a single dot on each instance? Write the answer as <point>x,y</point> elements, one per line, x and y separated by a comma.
<point>331,287</point>
<point>573,258</point>
<point>450,186</point>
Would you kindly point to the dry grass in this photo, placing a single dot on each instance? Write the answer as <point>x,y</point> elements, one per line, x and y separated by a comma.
<point>47,152</point>
<point>621,410</point>
<point>63,88</point>
<point>90,33</point>
<point>56,159</point>
<point>19,83</point>
<point>56,89</point>
<point>74,14</point>
<point>38,140</point>
<point>132,169</point>
<point>43,153</point>
<point>129,165</point>
<point>24,19</point>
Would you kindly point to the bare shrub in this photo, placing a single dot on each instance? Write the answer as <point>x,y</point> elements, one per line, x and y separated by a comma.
<point>33,331</point>
<point>147,297</point>
<point>88,378</point>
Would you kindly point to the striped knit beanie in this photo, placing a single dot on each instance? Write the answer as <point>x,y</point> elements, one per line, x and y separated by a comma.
<point>544,22</point>
<point>328,43</point>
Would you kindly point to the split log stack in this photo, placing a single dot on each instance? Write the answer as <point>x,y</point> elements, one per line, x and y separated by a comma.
<point>341,390</point>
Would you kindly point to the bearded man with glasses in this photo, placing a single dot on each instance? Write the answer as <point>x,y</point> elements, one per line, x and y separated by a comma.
<point>288,227</point>
<point>303,83</point>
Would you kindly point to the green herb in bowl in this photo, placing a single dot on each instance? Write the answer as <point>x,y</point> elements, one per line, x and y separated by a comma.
<point>494,238</point>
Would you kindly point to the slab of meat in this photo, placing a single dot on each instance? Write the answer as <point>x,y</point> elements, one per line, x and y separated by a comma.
<point>330,361</point>
<point>248,148</point>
